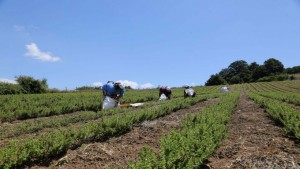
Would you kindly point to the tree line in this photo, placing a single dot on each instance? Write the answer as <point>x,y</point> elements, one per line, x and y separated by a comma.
<point>242,72</point>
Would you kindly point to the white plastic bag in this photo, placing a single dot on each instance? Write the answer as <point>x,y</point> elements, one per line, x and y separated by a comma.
<point>163,97</point>
<point>108,103</point>
<point>224,90</point>
<point>189,92</point>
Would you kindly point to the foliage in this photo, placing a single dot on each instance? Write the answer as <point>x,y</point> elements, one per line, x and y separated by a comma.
<point>240,72</point>
<point>9,88</point>
<point>31,85</point>
<point>215,80</point>
<point>279,77</point>
<point>259,72</point>
<point>293,70</point>
<point>273,66</point>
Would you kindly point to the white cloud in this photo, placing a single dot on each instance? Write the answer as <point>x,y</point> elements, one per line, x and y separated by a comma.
<point>8,81</point>
<point>133,85</point>
<point>34,51</point>
<point>147,86</point>
<point>25,28</point>
<point>18,28</point>
<point>97,84</point>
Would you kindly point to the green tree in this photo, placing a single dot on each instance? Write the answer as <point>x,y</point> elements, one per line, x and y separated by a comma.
<point>293,70</point>
<point>236,79</point>
<point>253,66</point>
<point>226,74</point>
<point>239,72</point>
<point>259,72</point>
<point>273,66</point>
<point>215,80</point>
<point>31,85</point>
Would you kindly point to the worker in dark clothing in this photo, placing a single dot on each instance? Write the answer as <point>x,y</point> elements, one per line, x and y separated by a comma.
<point>166,91</point>
<point>189,92</point>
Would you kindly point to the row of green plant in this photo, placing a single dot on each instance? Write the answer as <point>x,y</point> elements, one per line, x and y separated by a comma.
<point>257,87</point>
<point>26,106</point>
<point>197,139</point>
<point>285,96</point>
<point>292,84</point>
<point>270,87</point>
<point>19,151</point>
<point>13,107</point>
<point>35,125</point>
<point>289,97</point>
<point>281,87</point>
<point>266,86</point>
<point>280,112</point>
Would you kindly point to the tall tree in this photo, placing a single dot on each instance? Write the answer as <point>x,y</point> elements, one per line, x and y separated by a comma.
<point>226,74</point>
<point>259,72</point>
<point>239,72</point>
<point>253,66</point>
<point>273,66</point>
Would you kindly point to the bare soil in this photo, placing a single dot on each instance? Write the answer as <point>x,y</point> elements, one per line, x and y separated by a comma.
<point>118,151</point>
<point>255,142</point>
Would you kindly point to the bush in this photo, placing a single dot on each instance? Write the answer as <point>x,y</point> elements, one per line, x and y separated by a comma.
<point>31,85</point>
<point>280,77</point>
<point>9,88</point>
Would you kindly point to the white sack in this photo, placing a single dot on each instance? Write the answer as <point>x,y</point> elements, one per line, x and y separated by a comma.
<point>108,103</point>
<point>162,97</point>
<point>224,90</point>
<point>189,92</point>
<point>136,104</point>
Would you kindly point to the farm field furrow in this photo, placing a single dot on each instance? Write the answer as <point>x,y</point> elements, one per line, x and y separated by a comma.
<point>255,141</point>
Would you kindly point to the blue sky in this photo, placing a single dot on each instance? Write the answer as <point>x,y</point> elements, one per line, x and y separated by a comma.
<point>143,43</point>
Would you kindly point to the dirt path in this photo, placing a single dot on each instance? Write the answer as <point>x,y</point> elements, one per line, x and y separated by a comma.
<point>255,142</point>
<point>116,152</point>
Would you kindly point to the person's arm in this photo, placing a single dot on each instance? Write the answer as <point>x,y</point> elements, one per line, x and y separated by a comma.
<point>119,95</point>
<point>104,90</point>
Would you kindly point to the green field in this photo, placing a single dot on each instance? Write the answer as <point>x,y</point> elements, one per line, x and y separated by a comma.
<point>43,126</point>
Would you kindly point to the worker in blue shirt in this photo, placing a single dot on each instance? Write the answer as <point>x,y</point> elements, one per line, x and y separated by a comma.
<point>113,90</point>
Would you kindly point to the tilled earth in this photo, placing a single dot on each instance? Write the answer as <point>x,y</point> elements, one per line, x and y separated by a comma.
<point>255,142</point>
<point>118,151</point>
